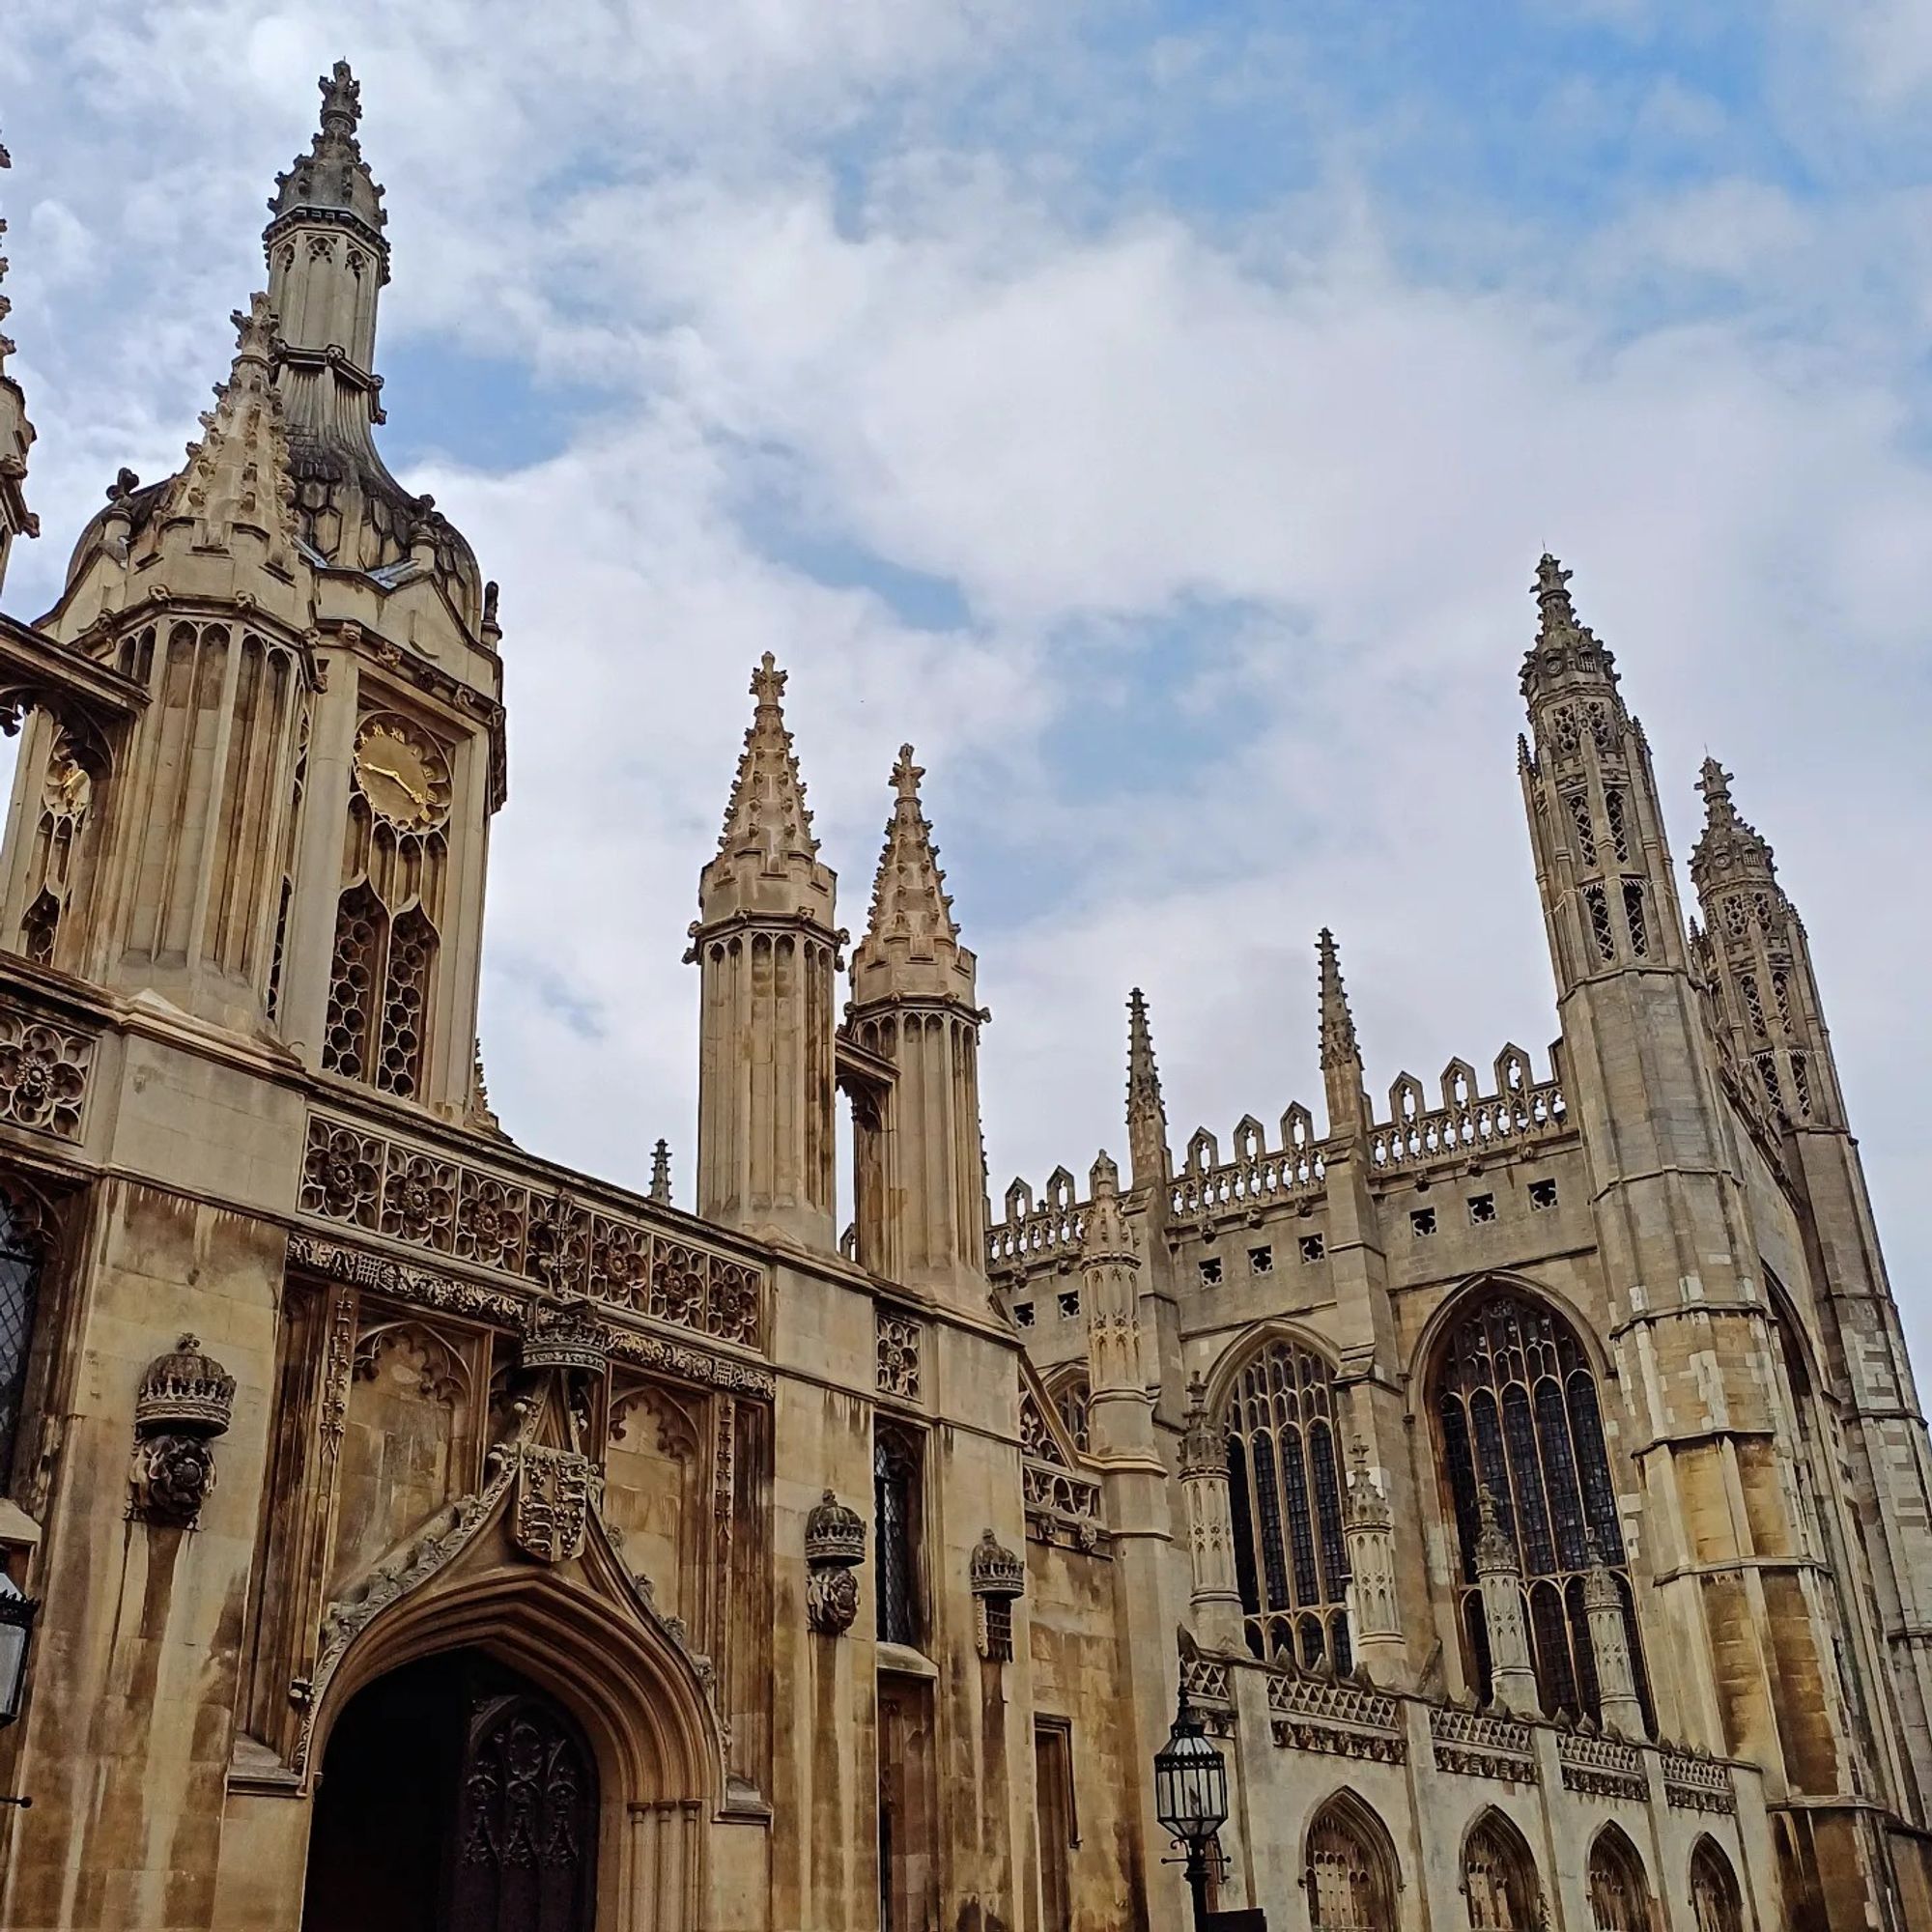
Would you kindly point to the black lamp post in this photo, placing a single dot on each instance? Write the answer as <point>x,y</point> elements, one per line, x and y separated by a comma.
<point>1191,1798</point>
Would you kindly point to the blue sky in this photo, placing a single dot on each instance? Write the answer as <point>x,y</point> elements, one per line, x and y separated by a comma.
<point>1154,411</point>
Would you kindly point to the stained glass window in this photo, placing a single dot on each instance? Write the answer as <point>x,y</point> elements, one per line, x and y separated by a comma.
<point>1517,1408</point>
<point>1284,1495</point>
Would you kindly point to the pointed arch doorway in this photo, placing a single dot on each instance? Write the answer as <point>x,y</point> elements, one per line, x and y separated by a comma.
<point>455,1795</point>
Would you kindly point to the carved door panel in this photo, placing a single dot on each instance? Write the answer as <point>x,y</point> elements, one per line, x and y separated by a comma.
<point>524,1848</point>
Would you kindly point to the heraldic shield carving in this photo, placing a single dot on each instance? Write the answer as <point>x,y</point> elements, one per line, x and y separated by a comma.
<point>556,1489</point>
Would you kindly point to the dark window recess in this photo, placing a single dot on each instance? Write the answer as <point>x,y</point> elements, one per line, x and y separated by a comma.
<point>1422,1221</point>
<point>1482,1207</point>
<point>996,1630</point>
<point>1260,1261</point>
<point>896,1535</point>
<point>1070,1303</point>
<point>1023,1314</point>
<point>1211,1273</point>
<point>1542,1194</point>
<point>19,1291</point>
<point>1313,1247</point>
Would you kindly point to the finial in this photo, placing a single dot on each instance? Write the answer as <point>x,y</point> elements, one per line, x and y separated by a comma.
<point>341,99</point>
<point>906,775</point>
<point>1496,1547</point>
<point>1105,1238</point>
<point>1103,1178</point>
<point>768,682</point>
<point>660,1190</point>
<point>1715,782</point>
<point>255,332</point>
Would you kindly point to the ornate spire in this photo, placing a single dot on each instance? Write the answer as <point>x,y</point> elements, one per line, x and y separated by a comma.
<point>767,856</point>
<point>1143,1097</point>
<point>1349,1110</point>
<point>237,477</point>
<point>660,1190</point>
<point>766,816</point>
<point>1147,1111</point>
<point>1566,653</point>
<point>1496,1547</point>
<point>17,433</point>
<point>331,182</point>
<point>1728,851</point>
<point>1339,1045</point>
<point>912,940</point>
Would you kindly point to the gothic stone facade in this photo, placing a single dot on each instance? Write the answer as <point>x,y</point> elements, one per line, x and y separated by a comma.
<point>1523,1480</point>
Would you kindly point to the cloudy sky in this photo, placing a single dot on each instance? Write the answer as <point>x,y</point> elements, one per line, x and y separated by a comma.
<point>1154,411</point>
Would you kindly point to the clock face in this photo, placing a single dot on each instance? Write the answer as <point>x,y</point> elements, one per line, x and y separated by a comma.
<point>401,774</point>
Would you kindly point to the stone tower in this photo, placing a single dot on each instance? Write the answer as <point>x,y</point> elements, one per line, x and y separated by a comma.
<point>914,1005</point>
<point>766,946</point>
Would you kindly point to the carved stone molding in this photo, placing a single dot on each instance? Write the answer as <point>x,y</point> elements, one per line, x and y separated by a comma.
<point>361,1178</point>
<point>1471,1743</point>
<point>424,1288</point>
<point>556,1491</point>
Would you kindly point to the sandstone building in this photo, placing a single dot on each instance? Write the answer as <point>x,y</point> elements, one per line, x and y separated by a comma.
<point>1523,1477</point>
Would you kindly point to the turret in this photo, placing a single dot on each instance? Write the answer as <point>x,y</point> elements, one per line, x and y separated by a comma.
<point>1760,964</point>
<point>914,1004</point>
<point>767,951</point>
<point>294,840</point>
<point>17,433</point>
<point>1601,862</point>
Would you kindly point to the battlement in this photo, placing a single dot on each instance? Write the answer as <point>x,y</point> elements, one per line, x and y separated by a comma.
<point>1521,1113</point>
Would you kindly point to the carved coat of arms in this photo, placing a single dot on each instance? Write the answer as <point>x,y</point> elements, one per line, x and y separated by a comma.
<point>556,1489</point>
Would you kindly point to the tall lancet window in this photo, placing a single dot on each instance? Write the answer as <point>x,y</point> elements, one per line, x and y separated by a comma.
<point>896,1529</point>
<point>1517,1407</point>
<point>1285,1491</point>
<point>382,979</point>
<point>19,1299</point>
<point>1715,1902</point>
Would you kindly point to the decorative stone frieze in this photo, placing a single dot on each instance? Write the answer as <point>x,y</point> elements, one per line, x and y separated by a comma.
<point>366,1179</point>
<point>423,1288</point>
<point>44,1074</point>
<point>1693,1782</point>
<point>1472,1743</point>
<point>1600,1767</point>
<point>1335,1718</point>
<point>834,1544</point>
<point>186,1399</point>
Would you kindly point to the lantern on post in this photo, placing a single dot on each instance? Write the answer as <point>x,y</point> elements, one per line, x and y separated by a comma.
<point>1191,1798</point>
<point>17,1611</point>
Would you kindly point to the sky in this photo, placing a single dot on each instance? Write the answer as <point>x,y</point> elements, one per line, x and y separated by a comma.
<point>1155,413</point>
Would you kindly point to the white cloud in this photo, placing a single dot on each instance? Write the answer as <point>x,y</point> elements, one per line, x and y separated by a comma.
<point>1165,463</point>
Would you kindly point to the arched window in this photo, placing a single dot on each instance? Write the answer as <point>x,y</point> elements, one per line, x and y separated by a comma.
<point>1350,1872</point>
<point>1284,1475</point>
<point>1516,1403</point>
<point>1619,1898</point>
<point>1715,1904</point>
<point>1499,1878</point>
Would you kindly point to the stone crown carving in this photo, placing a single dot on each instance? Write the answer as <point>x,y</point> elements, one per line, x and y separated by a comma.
<point>566,1336</point>
<point>185,1391</point>
<point>834,1534</point>
<point>994,1571</point>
